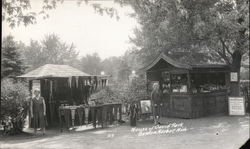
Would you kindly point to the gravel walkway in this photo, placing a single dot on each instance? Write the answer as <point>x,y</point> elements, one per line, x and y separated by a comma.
<point>203,133</point>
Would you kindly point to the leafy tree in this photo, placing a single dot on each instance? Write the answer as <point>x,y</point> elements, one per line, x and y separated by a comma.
<point>11,62</point>
<point>128,62</point>
<point>124,71</point>
<point>16,12</point>
<point>217,28</point>
<point>51,50</point>
<point>91,64</point>
<point>110,66</point>
<point>57,52</point>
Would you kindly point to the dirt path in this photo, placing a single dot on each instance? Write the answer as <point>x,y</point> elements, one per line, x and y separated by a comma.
<point>206,133</point>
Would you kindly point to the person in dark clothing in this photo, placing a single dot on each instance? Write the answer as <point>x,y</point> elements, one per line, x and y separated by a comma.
<point>156,97</point>
<point>38,111</point>
<point>133,109</point>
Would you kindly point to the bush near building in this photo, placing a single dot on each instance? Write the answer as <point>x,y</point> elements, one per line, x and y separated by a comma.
<point>14,105</point>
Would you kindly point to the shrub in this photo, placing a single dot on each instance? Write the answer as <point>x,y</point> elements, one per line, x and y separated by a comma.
<point>105,95</point>
<point>14,105</point>
<point>122,92</point>
<point>128,92</point>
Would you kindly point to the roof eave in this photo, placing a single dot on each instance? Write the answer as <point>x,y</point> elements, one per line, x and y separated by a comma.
<point>167,59</point>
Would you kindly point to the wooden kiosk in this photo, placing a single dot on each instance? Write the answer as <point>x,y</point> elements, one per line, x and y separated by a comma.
<point>190,91</point>
<point>63,86</point>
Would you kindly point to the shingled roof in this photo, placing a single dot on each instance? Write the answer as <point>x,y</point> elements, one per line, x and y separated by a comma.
<point>182,65</point>
<point>52,70</point>
<point>169,60</point>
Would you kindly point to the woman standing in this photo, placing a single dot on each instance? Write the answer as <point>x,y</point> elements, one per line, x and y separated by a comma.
<point>156,97</point>
<point>38,111</point>
<point>133,110</point>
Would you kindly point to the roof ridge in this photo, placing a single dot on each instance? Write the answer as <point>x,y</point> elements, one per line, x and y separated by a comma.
<point>54,70</point>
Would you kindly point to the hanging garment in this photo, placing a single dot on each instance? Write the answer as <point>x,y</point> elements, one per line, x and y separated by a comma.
<point>50,101</point>
<point>80,87</point>
<point>74,90</point>
<point>106,83</point>
<point>70,81</point>
<point>77,82</point>
<point>51,89</point>
<point>96,83</point>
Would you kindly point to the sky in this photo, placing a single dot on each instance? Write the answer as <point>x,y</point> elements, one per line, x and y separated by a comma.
<point>81,25</point>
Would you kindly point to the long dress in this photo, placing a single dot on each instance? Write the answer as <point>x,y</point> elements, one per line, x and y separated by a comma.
<point>38,113</point>
<point>156,98</point>
<point>133,114</point>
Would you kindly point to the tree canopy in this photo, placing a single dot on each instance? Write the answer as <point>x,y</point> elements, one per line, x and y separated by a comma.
<point>16,12</point>
<point>11,62</point>
<point>218,28</point>
<point>91,64</point>
<point>51,50</point>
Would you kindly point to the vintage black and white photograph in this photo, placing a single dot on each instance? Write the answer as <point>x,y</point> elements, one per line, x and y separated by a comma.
<point>125,74</point>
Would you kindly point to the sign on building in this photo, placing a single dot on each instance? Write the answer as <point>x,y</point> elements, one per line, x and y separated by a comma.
<point>236,105</point>
<point>234,77</point>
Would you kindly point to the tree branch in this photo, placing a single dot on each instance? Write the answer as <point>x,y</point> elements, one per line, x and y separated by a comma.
<point>224,46</point>
<point>224,57</point>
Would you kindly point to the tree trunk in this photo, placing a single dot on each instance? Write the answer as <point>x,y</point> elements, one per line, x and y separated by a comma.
<point>235,67</point>
<point>237,56</point>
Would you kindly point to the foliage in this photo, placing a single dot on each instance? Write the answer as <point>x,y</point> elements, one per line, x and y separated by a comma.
<point>51,50</point>
<point>128,62</point>
<point>11,62</point>
<point>122,92</point>
<point>121,67</point>
<point>14,104</point>
<point>91,64</point>
<point>217,28</point>
<point>16,12</point>
<point>106,95</point>
<point>111,66</point>
<point>131,91</point>
<point>137,90</point>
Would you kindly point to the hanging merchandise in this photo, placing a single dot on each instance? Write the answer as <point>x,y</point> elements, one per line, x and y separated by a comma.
<point>96,83</point>
<point>90,80</point>
<point>51,89</point>
<point>77,81</point>
<point>69,81</point>
<point>55,85</point>
<point>51,116</point>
